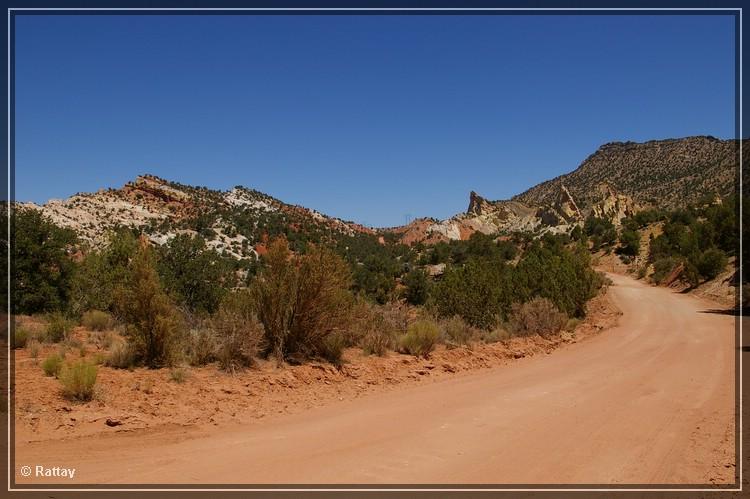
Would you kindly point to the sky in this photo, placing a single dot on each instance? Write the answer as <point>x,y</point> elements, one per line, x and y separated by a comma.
<point>371,118</point>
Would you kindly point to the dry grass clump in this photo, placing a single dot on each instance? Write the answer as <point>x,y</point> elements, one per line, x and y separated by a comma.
<point>78,380</point>
<point>537,316</point>
<point>457,332</point>
<point>178,374</point>
<point>121,356</point>
<point>420,338</point>
<point>96,320</point>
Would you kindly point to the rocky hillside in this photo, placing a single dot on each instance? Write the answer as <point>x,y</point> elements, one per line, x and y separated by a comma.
<point>616,181</point>
<point>663,173</point>
<point>235,222</point>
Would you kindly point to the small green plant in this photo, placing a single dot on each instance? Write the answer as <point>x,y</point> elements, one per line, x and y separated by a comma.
<point>20,337</point>
<point>572,324</point>
<point>58,328</point>
<point>78,380</point>
<point>420,338</point>
<point>96,320</point>
<point>178,374</point>
<point>52,365</point>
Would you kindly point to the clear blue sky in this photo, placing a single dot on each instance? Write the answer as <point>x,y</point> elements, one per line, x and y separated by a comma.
<point>363,117</point>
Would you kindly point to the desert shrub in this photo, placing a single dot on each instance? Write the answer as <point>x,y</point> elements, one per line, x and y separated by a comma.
<point>301,300</point>
<point>663,267</point>
<point>52,365</point>
<point>711,263</point>
<point>96,320</point>
<point>458,332</point>
<point>396,315</point>
<point>572,324</point>
<point>239,333</point>
<point>58,328</point>
<point>495,335</point>
<point>122,355</point>
<point>201,346</point>
<point>34,347</point>
<point>78,380</point>
<point>601,231</point>
<point>144,305</point>
<point>539,316</point>
<point>420,338</point>
<point>630,242</point>
<point>417,287</point>
<point>333,348</point>
<point>20,337</point>
<point>102,339</point>
<point>379,337</point>
<point>178,374</point>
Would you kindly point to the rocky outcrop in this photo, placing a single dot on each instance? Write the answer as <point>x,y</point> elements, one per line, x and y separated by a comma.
<point>612,205</point>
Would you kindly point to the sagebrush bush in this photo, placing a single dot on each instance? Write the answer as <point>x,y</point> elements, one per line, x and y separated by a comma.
<point>58,328</point>
<point>20,337</point>
<point>420,338</point>
<point>201,346</point>
<point>96,320</point>
<point>457,332</point>
<point>121,356</point>
<point>538,315</point>
<point>52,364</point>
<point>662,268</point>
<point>78,380</point>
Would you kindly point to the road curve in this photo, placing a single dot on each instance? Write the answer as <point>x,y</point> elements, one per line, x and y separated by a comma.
<point>650,401</point>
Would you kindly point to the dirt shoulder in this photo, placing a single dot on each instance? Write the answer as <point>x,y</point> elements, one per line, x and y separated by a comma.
<point>142,399</point>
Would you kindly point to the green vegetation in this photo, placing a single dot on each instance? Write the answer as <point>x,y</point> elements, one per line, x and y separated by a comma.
<point>78,380</point>
<point>420,338</point>
<point>483,291</point>
<point>96,320</point>
<point>42,267</point>
<point>195,275</point>
<point>601,232</point>
<point>58,328</point>
<point>699,240</point>
<point>143,304</point>
<point>52,365</point>
<point>20,337</point>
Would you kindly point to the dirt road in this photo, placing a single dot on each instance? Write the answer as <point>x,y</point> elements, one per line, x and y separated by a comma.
<point>650,401</point>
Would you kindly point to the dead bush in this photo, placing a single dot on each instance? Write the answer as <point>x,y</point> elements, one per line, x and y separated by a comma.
<point>538,315</point>
<point>239,333</point>
<point>122,355</point>
<point>201,346</point>
<point>457,332</point>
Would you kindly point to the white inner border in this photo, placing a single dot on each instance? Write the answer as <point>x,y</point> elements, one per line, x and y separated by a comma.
<point>426,9</point>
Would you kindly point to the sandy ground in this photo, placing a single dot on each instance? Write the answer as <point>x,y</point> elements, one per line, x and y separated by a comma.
<point>649,401</point>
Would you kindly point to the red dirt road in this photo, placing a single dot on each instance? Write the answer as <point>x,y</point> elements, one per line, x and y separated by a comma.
<point>650,401</point>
